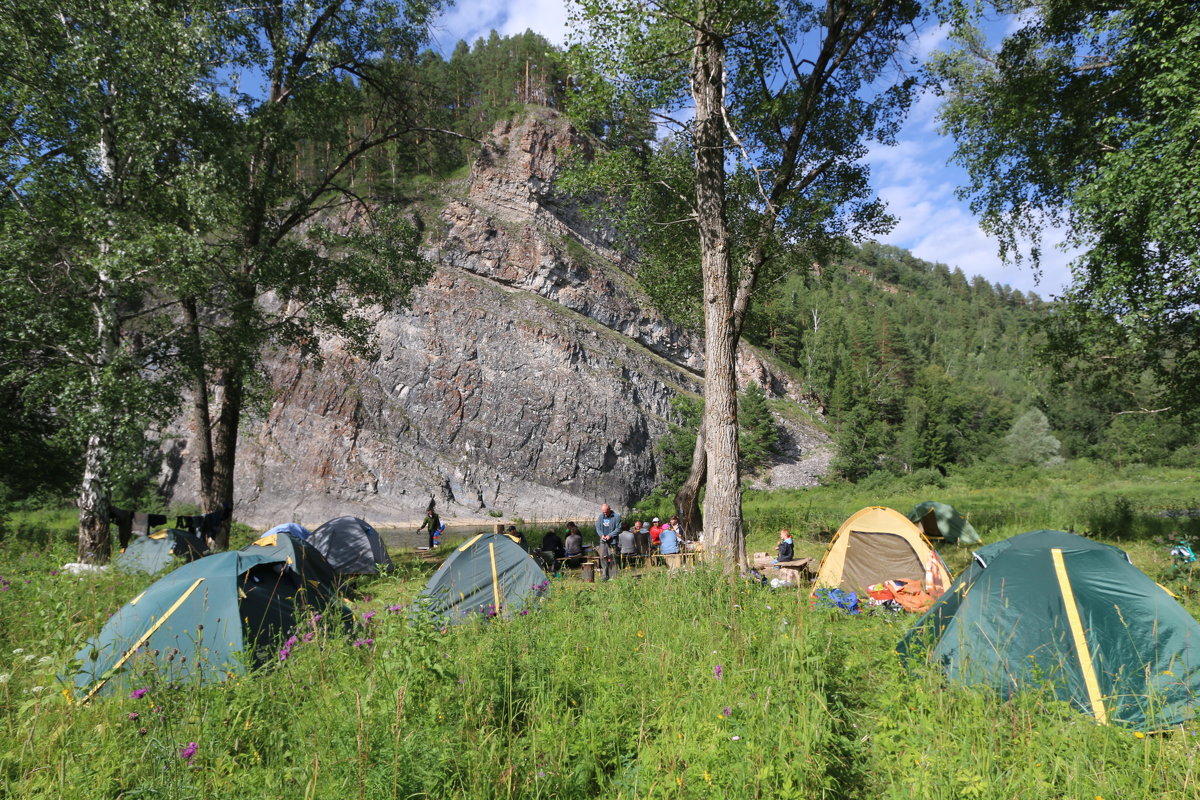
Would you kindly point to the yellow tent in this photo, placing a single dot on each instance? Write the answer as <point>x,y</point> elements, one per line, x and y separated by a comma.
<point>879,544</point>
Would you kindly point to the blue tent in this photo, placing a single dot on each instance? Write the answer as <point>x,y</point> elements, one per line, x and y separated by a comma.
<point>291,528</point>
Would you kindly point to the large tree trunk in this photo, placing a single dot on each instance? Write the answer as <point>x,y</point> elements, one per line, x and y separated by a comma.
<point>724,537</point>
<point>94,545</point>
<point>687,499</point>
<point>200,406</point>
<point>95,541</point>
<point>230,382</point>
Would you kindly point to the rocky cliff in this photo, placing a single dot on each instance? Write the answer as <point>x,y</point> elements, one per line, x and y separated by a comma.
<point>529,378</point>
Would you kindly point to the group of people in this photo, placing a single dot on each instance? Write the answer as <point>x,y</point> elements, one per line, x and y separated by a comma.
<point>620,545</point>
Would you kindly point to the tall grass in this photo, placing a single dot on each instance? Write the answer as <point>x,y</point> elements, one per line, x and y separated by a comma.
<point>684,685</point>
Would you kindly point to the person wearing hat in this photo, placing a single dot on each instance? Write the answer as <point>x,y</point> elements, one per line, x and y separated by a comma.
<point>516,534</point>
<point>655,532</point>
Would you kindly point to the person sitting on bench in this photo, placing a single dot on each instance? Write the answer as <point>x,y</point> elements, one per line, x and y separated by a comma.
<point>787,550</point>
<point>573,546</point>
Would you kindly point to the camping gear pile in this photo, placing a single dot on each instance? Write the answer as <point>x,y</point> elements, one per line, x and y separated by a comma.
<point>879,554</point>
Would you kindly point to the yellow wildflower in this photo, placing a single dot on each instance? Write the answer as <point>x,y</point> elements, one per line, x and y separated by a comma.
<point>1139,735</point>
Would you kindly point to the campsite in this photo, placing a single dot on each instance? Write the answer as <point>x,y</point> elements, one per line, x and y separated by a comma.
<point>593,399</point>
<point>686,684</point>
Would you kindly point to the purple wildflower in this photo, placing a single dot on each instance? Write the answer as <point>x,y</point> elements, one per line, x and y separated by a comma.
<point>727,711</point>
<point>284,653</point>
<point>308,637</point>
<point>364,642</point>
<point>524,611</point>
<point>368,616</point>
<point>718,671</point>
<point>395,609</point>
<point>133,715</point>
<point>138,694</point>
<point>189,752</point>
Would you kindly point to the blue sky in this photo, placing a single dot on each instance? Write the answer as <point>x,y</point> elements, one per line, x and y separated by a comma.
<point>914,177</point>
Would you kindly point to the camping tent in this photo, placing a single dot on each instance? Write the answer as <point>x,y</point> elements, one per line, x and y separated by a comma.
<point>491,574</point>
<point>1053,607</point>
<point>292,528</point>
<point>941,520</point>
<point>209,618</point>
<point>352,547</point>
<point>876,545</point>
<point>156,551</point>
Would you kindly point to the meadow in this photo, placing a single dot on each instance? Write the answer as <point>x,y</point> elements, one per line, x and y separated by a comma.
<point>684,685</point>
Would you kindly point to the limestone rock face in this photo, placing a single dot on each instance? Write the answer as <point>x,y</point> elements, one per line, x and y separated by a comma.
<point>529,378</point>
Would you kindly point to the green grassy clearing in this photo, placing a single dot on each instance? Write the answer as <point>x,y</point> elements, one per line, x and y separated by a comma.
<point>607,690</point>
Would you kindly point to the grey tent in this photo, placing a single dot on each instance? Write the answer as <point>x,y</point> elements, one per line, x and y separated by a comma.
<point>159,550</point>
<point>352,547</point>
<point>941,520</point>
<point>210,618</point>
<point>491,575</point>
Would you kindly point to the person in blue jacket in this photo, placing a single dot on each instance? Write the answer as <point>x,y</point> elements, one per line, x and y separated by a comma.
<point>608,528</point>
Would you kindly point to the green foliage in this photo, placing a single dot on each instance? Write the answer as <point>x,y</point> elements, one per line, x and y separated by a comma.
<point>1084,116</point>
<point>758,434</point>
<point>1030,441</point>
<point>674,451</point>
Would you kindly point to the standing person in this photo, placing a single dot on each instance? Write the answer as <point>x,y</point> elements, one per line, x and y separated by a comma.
<point>434,523</point>
<point>675,526</point>
<point>627,547</point>
<point>669,546</point>
<point>608,528</point>
<point>787,548</point>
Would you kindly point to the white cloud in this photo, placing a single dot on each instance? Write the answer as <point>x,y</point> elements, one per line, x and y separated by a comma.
<point>917,181</point>
<point>471,19</point>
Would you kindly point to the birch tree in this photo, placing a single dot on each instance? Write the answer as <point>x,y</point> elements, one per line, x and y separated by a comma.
<point>775,102</point>
<point>96,104</point>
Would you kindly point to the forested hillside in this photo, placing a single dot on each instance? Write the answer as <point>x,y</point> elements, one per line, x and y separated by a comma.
<point>919,366</point>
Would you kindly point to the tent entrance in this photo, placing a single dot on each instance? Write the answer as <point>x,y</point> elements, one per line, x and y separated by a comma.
<point>870,555</point>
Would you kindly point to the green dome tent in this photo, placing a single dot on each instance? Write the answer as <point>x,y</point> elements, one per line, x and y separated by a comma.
<point>156,551</point>
<point>491,574</point>
<point>1053,607</point>
<point>938,519</point>
<point>209,618</point>
<point>352,547</point>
